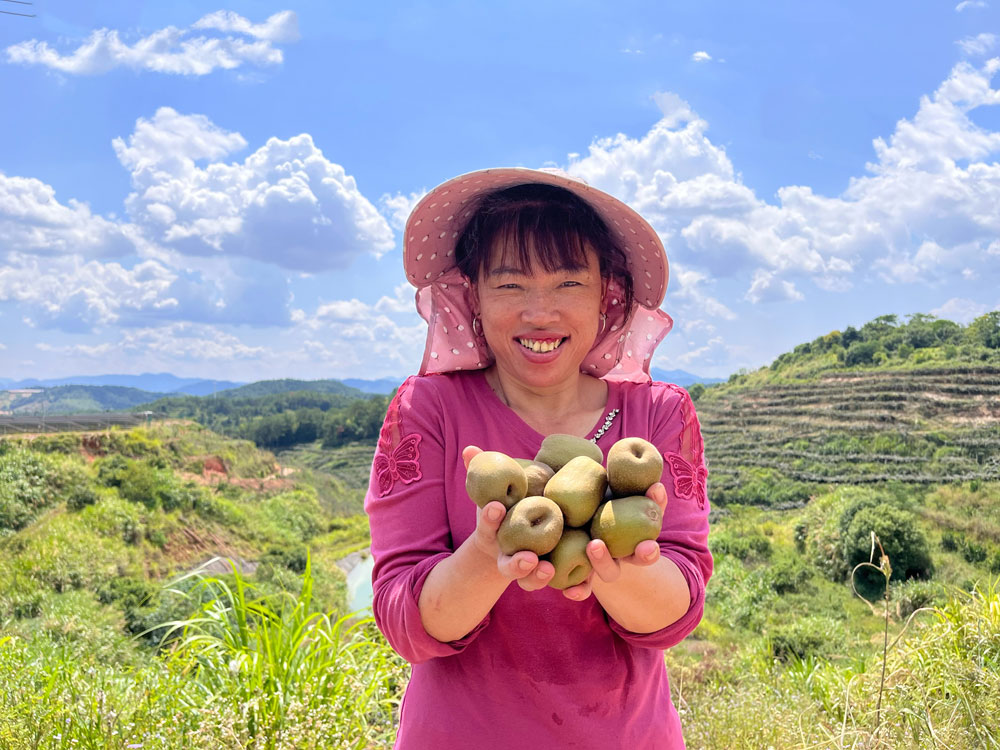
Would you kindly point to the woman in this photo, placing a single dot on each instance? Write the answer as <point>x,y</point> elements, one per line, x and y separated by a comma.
<point>542,301</point>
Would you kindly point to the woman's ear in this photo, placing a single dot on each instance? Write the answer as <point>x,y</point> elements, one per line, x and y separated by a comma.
<point>604,295</point>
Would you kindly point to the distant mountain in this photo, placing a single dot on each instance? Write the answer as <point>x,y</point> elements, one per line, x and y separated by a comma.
<point>162,382</point>
<point>681,377</point>
<point>383,386</point>
<point>270,387</point>
<point>79,399</point>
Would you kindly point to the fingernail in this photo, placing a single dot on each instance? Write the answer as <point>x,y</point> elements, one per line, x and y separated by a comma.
<point>540,574</point>
<point>524,565</point>
<point>599,552</point>
<point>493,514</point>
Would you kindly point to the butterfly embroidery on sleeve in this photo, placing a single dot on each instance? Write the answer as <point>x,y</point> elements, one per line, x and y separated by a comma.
<point>401,463</point>
<point>689,481</point>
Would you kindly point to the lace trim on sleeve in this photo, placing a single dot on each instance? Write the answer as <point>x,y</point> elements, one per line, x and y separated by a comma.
<point>397,459</point>
<point>687,462</point>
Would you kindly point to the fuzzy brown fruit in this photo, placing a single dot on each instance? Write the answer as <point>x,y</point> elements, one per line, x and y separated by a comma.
<point>634,465</point>
<point>538,475</point>
<point>578,488</point>
<point>557,450</point>
<point>495,476</point>
<point>623,523</point>
<point>570,560</point>
<point>534,524</point>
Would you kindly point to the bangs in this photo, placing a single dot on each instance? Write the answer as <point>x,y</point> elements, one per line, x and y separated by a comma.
<point>541,233</point>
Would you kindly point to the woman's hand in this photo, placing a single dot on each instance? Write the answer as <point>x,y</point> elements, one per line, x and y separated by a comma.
<point>530,573</point>
<point>609,569</point>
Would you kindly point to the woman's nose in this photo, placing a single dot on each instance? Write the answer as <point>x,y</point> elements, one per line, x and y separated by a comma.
<point>539,308</point>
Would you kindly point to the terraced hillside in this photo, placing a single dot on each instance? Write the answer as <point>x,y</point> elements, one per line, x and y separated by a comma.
<point>935,425</point>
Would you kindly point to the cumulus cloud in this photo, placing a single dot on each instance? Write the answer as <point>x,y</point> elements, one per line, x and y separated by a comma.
<point>284,204</point>
<point>701,56</point>
<point>928,200</point>
<point>399,206</point>
<point>33,221</point>
<point>170,50</point>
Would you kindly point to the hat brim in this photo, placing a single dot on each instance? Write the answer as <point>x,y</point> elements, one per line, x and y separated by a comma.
<point>440,217</point>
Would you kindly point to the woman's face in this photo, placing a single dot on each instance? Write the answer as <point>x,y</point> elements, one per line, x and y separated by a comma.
<point>540,325</point>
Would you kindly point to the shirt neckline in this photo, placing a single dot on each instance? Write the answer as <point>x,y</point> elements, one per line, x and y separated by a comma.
<point>515,421</point>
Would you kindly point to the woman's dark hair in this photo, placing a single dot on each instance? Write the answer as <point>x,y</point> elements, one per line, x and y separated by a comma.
<point>543,222</point>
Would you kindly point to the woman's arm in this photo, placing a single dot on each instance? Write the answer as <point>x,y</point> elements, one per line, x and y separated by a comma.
<point>463,587</point>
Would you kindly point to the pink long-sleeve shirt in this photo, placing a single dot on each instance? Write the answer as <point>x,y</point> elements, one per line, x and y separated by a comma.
<point>540,670</point>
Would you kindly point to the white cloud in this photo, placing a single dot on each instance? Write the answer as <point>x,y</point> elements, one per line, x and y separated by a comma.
<point>701,56</point>
<point>76,296</point>
<point>965,4</point>
<point>281,27</point>
<point>169,50</point>
<point>398,207</point>
<point>173,344</point>
<point>33,221</point>
<point>928,200</point>
<point>977,46</point>
<point>285,204</point>
<point>961,310</point>
<point>767,288</point>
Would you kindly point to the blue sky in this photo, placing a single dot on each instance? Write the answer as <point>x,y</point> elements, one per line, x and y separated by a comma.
<point>218,190</point>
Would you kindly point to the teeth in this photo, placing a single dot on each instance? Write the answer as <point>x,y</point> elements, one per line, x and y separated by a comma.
<point>540,346</point>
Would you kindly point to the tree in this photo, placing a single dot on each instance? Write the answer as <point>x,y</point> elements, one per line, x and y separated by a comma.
<point>985,330</point>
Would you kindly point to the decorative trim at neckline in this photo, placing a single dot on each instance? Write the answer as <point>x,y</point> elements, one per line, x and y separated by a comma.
<point>606,426</point>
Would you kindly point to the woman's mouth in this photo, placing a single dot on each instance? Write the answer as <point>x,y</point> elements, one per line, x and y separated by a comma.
<point>541,346</point>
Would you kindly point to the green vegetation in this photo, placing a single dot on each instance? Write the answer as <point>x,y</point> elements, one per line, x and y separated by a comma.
<point>284,419</point>
<point>111,635</point>
<point>76,399</point>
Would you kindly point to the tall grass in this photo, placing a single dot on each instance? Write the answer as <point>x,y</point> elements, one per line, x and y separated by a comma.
<point>941,690</point>
<point>244,672</point>
<point>275,661</point>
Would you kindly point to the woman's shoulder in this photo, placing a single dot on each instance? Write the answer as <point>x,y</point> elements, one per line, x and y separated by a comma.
<point>441,386</point>
<point>653,392</point>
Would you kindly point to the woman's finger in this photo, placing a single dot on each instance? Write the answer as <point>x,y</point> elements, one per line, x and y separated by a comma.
<point>605,567</point>
<point>538,578</point>
<point>658,494</point>
<point>646,553</point>
<point>469,452</point>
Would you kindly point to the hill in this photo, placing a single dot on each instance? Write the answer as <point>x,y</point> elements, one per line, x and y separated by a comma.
<point>162,382</point>
<point>272,387</point>
<point>917,403</point>
<point>76,399</point>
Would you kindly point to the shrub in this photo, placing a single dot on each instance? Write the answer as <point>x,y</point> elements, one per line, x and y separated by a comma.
<point>803,637</point>
<point>901,540</point>
<point>741,545</point>
<point>788,574</point>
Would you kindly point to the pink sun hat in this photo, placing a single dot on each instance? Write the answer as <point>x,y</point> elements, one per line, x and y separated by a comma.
<point>622,350</point>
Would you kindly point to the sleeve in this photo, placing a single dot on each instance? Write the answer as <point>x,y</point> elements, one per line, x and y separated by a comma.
<point>407,513</point>
<point>683,539</point>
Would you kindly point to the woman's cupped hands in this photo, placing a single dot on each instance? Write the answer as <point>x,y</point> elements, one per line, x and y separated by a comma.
<point>533,573</point>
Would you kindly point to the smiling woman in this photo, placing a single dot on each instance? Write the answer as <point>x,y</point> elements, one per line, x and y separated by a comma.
<point>542,298</point>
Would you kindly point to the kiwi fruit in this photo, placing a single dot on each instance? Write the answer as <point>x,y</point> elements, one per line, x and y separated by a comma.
<point>634,465</point>
<point>578,488</point>
<point>557,450</point>
<point>538,475</point>
<point>569,557</point>
<point>622,523</point>
<point>534,524</point>
<point>495,476</point>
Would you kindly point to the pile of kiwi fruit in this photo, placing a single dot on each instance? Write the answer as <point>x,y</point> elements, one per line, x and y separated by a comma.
<point>564,497</point>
